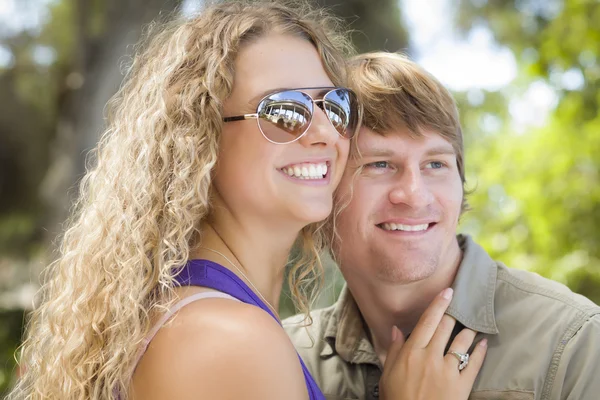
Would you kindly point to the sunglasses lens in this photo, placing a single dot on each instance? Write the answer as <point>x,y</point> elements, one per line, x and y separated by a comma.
<point>341,107</point>
<point>284,116</point>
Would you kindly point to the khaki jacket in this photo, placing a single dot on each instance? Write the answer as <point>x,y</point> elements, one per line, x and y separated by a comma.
<point>544,340</point>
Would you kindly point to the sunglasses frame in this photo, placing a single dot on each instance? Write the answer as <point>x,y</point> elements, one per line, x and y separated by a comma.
<point>314,103</point>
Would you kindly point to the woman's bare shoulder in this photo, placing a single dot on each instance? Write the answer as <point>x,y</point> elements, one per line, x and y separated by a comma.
<point>218,348</point>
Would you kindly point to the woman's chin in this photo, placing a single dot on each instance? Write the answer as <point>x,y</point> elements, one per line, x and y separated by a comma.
<point>313,214</point>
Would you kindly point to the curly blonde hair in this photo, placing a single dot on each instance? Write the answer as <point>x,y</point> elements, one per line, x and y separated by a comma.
<point>141,204</point>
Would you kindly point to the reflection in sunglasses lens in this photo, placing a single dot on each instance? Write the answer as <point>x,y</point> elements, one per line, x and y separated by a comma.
<point>286,115</point>
<point>342,109</point>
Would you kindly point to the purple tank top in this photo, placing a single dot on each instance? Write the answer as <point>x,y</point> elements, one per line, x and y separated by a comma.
<point>215,276</point>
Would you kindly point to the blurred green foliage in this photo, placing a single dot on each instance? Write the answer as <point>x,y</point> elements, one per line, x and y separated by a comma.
<point>10,330</point>
<point>30,92</point>
<point>537,194</point>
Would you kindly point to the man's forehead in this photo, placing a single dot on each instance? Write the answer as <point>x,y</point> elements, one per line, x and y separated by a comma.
<point>372,143</point>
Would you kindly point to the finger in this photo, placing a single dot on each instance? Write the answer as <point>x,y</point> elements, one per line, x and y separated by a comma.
<point>429,321</point>
<point>395,347</point>
<point>463,341</point>
<point>442,334</point>
<point>475,362</point>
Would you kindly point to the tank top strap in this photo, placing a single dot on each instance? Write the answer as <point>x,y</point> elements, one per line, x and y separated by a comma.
<point>209,274</point>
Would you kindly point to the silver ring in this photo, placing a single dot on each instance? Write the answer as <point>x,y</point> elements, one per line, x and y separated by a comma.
<point>462,357</point>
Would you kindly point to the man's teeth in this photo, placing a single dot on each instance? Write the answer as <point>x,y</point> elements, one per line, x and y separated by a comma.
<point>401,227</point>
<point>306,170</point>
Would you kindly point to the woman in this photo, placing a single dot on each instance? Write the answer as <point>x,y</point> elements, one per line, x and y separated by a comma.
<point>215,162</point>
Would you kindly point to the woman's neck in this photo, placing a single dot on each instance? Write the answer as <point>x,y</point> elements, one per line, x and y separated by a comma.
<point>258,253</point>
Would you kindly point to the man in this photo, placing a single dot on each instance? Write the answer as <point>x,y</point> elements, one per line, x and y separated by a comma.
<point>399,204</point>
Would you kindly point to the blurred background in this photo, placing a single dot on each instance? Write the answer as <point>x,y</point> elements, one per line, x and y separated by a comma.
<point>526,74</point>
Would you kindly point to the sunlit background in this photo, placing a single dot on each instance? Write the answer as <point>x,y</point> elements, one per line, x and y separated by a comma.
<point>526,75</point>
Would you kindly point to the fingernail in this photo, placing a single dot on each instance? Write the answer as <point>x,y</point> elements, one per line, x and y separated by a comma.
<point>447,293</point>
<point>394,333</point>
<point>483,342</point>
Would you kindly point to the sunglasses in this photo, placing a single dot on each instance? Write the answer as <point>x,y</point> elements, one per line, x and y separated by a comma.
<point>285,116</point>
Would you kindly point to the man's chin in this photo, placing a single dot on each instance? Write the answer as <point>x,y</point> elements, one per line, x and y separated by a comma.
<point>406,269</point>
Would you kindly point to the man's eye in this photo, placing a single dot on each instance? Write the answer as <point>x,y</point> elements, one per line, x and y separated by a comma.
<point>435,165</point>
<point>378,164</point>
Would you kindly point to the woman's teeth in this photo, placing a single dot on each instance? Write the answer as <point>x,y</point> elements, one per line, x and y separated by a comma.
<point>306,170</point>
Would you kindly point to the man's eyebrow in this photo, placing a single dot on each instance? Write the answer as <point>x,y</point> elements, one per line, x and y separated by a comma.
<point>441,150</point>
<point>386,152</point>
<point>377,152</point>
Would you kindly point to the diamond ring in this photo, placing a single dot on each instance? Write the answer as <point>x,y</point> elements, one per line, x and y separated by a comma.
<point>462,357</point>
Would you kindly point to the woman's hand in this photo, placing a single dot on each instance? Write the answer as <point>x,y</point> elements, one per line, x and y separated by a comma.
<point>417,369</point>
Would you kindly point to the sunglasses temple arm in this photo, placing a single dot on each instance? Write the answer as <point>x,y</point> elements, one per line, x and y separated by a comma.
<point>240,117</point>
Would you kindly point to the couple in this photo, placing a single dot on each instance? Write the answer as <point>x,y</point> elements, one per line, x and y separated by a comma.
<point>235,138</point>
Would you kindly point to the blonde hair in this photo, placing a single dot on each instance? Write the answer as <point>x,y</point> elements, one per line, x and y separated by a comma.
<point>140,205</point>
<point>396,92</point>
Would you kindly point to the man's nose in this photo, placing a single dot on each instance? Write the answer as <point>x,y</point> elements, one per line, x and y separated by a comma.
<point>411,189</point>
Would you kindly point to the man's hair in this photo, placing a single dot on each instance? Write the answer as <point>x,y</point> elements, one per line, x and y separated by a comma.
<point>396,93</point>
